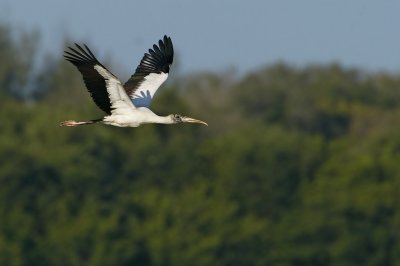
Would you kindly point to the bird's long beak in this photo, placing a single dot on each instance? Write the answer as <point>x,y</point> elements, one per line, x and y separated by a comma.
<point>192,120</point>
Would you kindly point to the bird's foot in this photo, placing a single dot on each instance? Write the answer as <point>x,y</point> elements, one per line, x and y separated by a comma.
<point>70,123</point>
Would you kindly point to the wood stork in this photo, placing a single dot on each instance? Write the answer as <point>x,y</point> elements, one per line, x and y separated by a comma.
<point>126,105</point>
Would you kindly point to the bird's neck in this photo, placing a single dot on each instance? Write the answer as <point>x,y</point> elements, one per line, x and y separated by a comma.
<point>162,119</point>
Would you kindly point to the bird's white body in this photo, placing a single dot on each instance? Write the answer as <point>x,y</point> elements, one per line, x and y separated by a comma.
<point>134,117</point>
<point>126,105</point>
<point>124,113</point>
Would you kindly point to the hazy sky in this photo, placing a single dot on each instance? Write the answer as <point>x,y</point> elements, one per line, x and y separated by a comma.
<point>215,35</point>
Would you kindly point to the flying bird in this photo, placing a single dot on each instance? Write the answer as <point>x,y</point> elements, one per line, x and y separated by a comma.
<point>126,105</point>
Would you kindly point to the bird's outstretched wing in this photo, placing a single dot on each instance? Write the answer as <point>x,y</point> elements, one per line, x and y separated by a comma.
<point>105,88</point>
<point>151,73</point>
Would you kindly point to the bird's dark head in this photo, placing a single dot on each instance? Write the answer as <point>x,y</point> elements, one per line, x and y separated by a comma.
<point>184,119</point>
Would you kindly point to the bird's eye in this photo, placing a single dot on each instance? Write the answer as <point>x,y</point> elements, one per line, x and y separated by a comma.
<point>178,118</point>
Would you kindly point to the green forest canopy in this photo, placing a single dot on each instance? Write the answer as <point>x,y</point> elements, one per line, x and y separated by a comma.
<point>299,166</point>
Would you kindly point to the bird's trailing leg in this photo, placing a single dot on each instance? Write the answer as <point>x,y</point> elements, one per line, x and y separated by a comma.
<point>73,123</point>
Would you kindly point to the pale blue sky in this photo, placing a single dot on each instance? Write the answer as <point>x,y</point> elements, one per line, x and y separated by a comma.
<point>211,35</point>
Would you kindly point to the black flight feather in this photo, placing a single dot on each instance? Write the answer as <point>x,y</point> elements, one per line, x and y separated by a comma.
<point>157,60</point>
<point>85,61</point>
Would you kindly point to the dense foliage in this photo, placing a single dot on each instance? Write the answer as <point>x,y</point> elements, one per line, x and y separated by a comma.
<point>297,167</point>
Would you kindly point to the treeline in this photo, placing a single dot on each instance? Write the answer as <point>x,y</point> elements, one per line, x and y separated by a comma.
<point>299,166</point>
